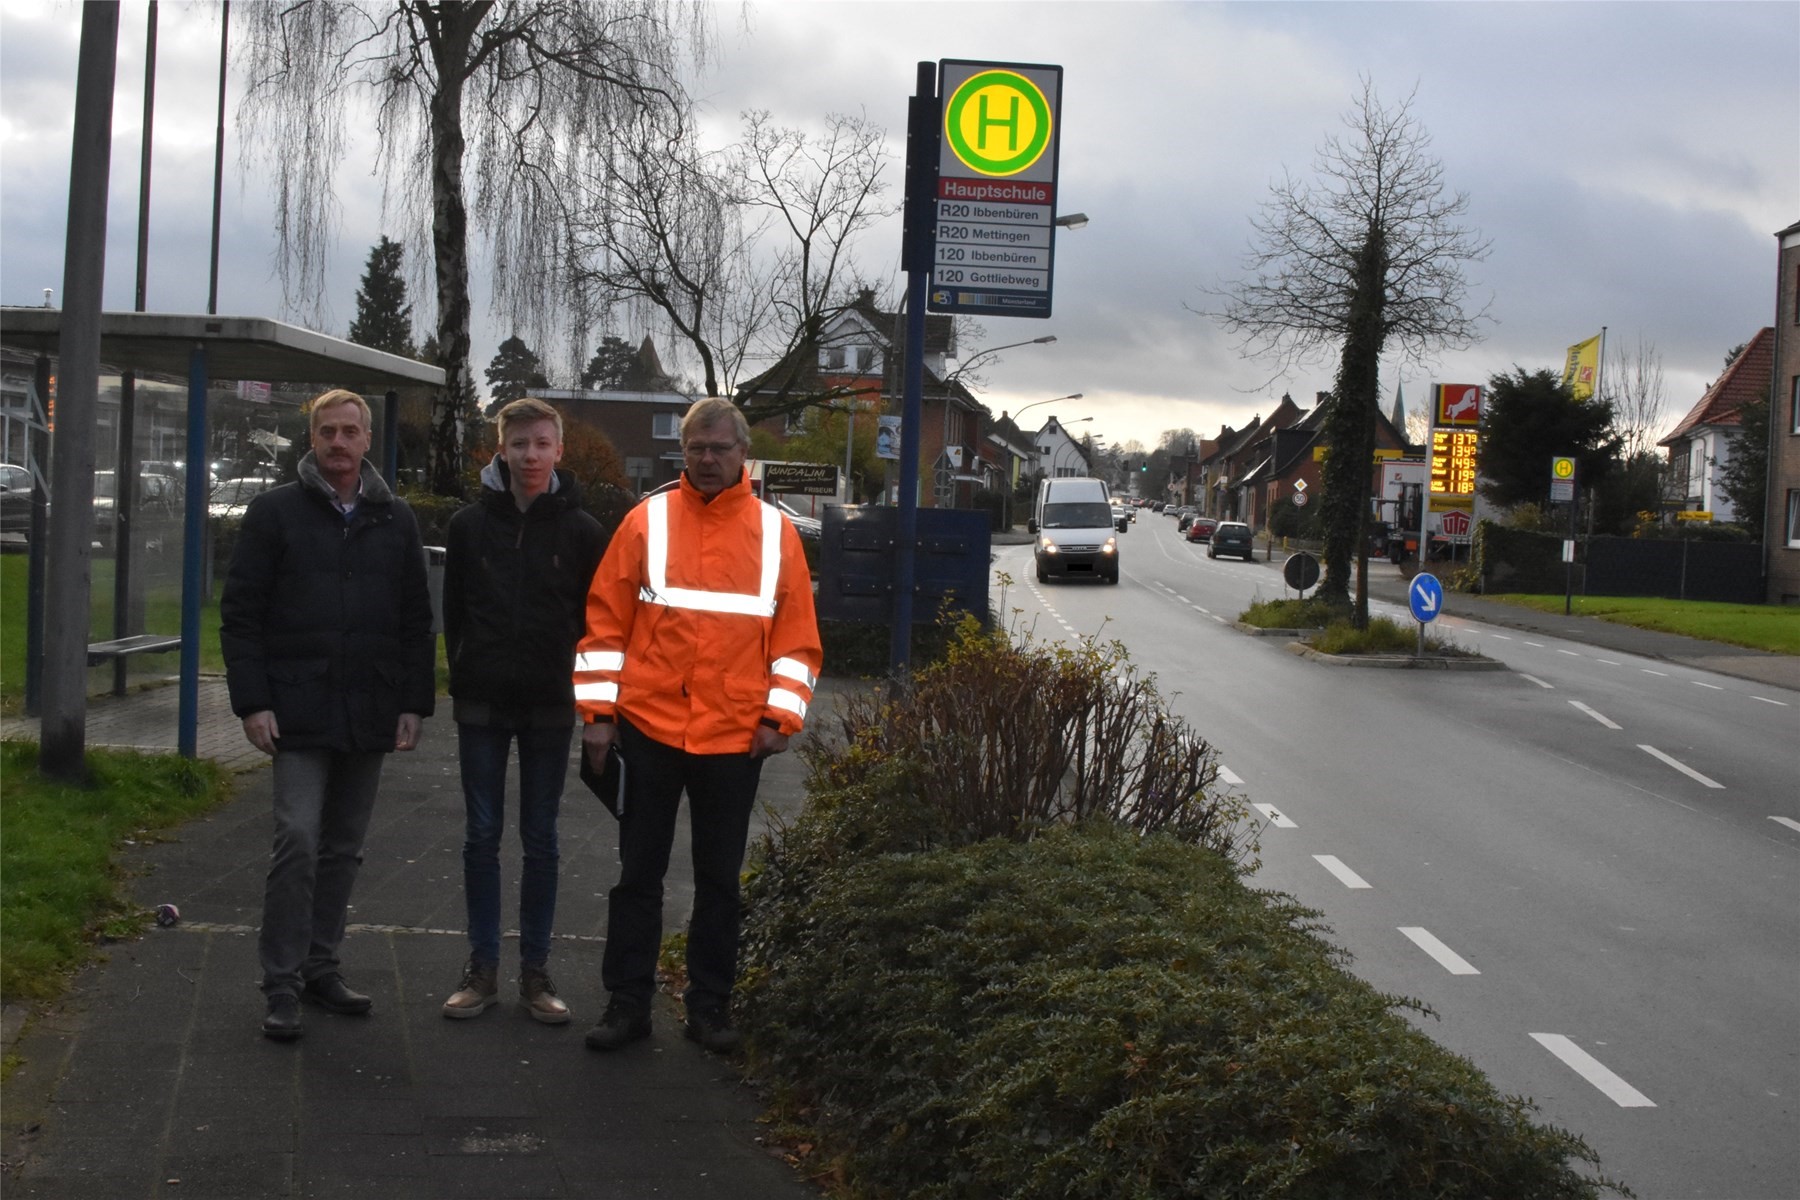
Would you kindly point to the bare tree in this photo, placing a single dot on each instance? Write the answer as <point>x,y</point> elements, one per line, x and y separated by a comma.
<point>1369,256</point>
<point>744,254</point>
<point>522,95</point>
<point>1634,385</point>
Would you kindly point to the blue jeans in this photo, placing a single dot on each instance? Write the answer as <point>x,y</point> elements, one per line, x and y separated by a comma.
<point>543,764</point>
<point>323,800</point>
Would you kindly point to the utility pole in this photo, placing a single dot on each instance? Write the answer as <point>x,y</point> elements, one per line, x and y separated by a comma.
<point>62,752</point>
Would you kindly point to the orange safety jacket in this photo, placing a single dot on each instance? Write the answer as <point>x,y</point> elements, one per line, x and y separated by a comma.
<point>700,622</point>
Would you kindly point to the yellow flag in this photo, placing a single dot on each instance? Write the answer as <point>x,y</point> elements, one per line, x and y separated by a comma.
<point>1582,370</point>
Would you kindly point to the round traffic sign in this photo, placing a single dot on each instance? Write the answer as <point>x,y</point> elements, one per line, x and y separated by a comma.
<point>1301,571</point>
<point>1425,597</point>
<point>997,122</point>
<point>1562,468</point>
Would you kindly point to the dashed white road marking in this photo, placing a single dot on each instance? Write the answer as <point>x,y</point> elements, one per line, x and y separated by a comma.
<point>1715,687</point>
<point>1345,875</point>
<point>1539,645</point>
<point>1503,637</point>
<point>1766,700</point>
<point>1570,653</point>
<point>1590,712</point>
<point>1181,597</point>
<point>1653,752</point>
<point>1229,776</point>
<point>1447,958</point>
<point>1274,816</point>
<point>1609,662</point>
<point>1789,822</point>
<point>1648,671</point>
<point>1594,1071</point>
<point>1536,680</point>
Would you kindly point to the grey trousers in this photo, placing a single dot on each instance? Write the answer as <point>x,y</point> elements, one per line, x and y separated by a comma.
<point>323,800</point>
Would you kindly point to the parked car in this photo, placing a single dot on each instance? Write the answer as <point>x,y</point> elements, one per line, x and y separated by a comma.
<point>1200,529</point>
<point>158,498</point>
<point>1184,516</point>
<point>810,529</point>
<point>1121,517</point>
<point>1231,537</point>
<point>15,499</point>
<point>232,496</point>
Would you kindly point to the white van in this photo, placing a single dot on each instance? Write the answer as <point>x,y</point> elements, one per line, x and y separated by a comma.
<point>1073,522</point>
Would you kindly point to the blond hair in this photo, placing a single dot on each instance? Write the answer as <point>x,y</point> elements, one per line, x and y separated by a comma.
<point>332,399</point>
<point>524,411</point>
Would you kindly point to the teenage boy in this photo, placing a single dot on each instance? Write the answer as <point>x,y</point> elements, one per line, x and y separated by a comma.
<point>516,573</point>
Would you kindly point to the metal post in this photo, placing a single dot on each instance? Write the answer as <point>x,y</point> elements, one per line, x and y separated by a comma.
<point>69,585</point>
<point>921,203</point>
<point>193,546</point>
<point>37,433</point>
<point>390,440</point>
<point>212,289</point>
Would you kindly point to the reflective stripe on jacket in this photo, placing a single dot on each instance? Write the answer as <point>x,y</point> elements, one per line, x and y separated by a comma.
<point>700,622</point>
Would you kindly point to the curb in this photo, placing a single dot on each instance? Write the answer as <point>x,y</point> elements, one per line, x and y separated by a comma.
<point>1398,662</point>
<point>1264,631</point>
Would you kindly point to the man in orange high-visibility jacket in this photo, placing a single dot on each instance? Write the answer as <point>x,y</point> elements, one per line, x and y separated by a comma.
<point>699,661</point>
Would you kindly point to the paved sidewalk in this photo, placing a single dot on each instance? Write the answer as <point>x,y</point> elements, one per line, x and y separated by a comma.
<point>153,1078</point>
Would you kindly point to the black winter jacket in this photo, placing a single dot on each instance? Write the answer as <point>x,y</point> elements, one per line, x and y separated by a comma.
<point>515,602</point>
<point>327,621</point>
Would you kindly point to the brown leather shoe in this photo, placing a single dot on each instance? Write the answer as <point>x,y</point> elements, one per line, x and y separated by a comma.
<point>539,995</point>
<point>475,994</point>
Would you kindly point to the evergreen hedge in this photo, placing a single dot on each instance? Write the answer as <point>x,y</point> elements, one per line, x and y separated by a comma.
<point>1083,999</point>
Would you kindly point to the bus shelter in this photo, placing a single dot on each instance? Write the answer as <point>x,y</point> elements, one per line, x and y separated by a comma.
<point>162,477</point>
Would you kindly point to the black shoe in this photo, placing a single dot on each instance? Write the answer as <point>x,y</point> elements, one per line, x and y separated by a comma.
<point>283,1022</point>
<point>330,993</point>
<point>621,1024</point>
<point>712,1028</point>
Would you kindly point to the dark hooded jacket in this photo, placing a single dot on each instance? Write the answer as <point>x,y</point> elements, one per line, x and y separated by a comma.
<point>326,620</point>
<point>515,602</point>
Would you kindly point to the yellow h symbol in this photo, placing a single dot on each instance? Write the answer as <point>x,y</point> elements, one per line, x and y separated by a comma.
<point>1010,122</point>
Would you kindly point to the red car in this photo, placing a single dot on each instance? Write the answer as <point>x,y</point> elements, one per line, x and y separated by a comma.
<point>1200,529</point>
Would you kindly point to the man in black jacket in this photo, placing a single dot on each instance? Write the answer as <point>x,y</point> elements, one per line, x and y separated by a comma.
<point>326,627</point>
<point>516,577</point>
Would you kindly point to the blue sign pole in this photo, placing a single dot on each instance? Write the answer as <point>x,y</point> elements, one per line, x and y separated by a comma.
<point>916,253</point>
<point>1425,597</point>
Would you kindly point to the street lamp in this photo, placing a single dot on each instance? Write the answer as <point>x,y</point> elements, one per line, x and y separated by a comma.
<point>1072,221</point>
<point>1052,400</point>
<point>963,368</point>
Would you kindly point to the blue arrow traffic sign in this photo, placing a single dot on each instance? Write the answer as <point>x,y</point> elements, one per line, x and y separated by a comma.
<point>1425,597</point>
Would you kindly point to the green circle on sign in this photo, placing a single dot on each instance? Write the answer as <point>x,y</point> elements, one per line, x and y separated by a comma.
<point>1023,100</point>
<point>1562,468</point>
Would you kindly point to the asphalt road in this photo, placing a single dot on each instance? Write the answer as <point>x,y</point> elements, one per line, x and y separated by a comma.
<point>1588,865</point>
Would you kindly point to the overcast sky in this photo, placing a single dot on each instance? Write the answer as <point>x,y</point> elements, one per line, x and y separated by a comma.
<point>1629,163</point>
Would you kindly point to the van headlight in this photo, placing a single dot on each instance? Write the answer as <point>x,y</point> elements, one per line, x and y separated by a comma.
<point>1111,547</point>
<point>1047,546</point>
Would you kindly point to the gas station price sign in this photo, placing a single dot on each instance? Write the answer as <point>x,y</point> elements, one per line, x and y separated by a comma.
<point>1453,462</point>
<point>1000,125</point>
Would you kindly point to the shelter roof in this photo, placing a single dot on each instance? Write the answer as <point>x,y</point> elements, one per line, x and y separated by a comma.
<point>255,348</point>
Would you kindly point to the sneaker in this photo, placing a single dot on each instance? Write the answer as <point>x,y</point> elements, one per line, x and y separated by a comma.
<point>712,1028</point>
<point>475,994</point>
<point>330,993</point>
<point>282,1024</point>
<point>622,1024</point>
<point>539,995</point>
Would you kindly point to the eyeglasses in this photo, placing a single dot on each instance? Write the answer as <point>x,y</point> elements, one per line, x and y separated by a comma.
<point>702,449</point>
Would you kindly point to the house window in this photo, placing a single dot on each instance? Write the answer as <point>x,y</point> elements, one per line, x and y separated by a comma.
<point>1794,407</point>
<point>666,425</point>
<point>796,422</point>
<point>641,471</point>
<point>1793,519</point>
<point>832,358</point>
<point>865,359</point>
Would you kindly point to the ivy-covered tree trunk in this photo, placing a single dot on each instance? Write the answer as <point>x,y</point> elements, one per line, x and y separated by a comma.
<point>1350,427</point>
<point>451,36</point>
